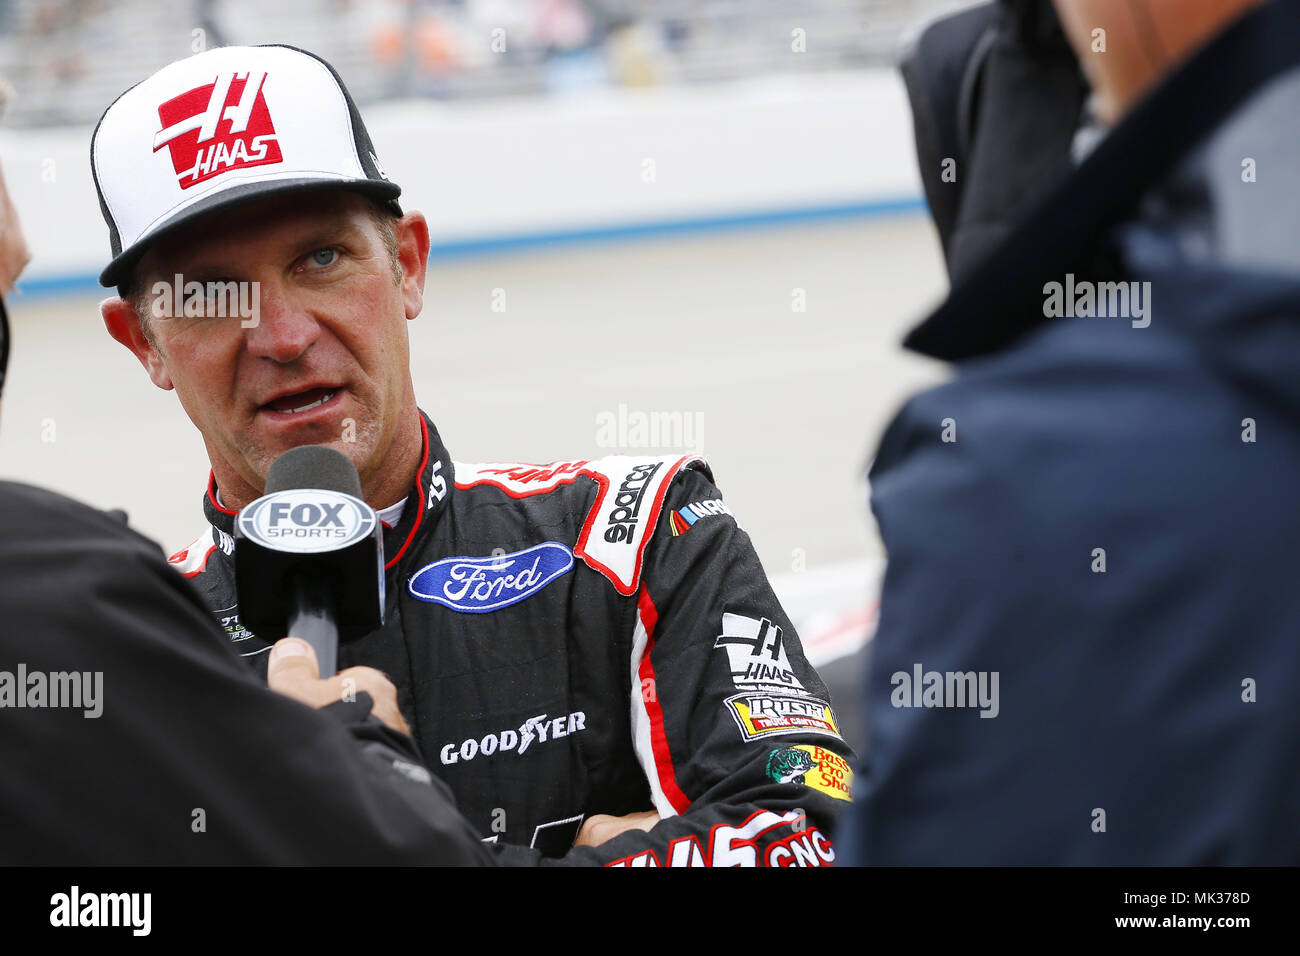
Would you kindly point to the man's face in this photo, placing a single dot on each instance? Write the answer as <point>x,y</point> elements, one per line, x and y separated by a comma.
<point>327,361</point>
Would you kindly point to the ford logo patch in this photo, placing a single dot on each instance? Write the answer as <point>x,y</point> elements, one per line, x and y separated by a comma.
<point>479,585</point>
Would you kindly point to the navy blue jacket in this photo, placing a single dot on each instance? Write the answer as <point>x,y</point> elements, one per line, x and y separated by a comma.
<point>1146,713</point>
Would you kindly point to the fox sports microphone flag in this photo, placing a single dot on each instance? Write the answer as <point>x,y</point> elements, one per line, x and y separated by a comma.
<point>310,550</point>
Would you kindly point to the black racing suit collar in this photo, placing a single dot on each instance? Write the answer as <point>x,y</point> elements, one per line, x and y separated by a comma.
<point>427,499</point>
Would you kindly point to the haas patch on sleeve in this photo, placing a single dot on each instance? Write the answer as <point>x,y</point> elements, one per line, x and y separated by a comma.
<point>622,518</point>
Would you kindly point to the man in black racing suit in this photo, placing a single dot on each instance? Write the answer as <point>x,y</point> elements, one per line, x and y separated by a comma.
<point>588,653</point>
<point>591,637</point>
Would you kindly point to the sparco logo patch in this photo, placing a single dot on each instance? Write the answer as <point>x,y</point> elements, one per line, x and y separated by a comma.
<point>628,501</point>
<point>479,585</point>
<point>216,128</point>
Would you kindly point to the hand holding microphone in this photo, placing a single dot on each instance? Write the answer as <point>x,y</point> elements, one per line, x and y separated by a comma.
<point>294,672</point>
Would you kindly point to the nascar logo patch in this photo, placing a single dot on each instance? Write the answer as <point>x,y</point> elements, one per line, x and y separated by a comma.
<point>685,517</point>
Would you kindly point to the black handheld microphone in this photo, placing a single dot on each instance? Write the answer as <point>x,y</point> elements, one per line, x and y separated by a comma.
<point>309,555</point>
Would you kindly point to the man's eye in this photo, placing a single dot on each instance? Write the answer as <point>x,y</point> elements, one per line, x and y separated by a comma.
<point>323,257</point>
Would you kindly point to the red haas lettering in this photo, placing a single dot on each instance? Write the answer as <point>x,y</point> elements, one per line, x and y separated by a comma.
<point>531,473</point>
<point>738,846</point>
<point>217,128</point>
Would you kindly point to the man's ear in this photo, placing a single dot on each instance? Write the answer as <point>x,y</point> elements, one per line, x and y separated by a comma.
<point>413,256</point>
<point>124,325</point>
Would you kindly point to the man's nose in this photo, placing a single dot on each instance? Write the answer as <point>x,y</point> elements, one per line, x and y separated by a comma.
<point>278,327</point>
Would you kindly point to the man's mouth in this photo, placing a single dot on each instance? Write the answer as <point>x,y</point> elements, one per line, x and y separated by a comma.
<point>300,402</point>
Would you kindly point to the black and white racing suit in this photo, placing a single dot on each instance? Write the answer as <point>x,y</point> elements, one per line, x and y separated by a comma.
<point>591,637</point>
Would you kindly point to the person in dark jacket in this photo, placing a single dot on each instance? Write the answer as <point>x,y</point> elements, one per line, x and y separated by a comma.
<point>997,104</point>
<point>133,734</point>
<point>1088,626</point>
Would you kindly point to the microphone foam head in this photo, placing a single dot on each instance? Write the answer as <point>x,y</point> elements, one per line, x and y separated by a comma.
<point>313,466</point>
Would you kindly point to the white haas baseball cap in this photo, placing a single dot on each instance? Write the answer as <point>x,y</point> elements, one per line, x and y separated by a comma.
<point>223,127</point>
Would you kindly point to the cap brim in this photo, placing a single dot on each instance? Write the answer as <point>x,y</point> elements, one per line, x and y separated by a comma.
<point>119,269</point>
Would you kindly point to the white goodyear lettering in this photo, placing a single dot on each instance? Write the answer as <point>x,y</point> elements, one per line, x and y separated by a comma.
<point>539,729</point>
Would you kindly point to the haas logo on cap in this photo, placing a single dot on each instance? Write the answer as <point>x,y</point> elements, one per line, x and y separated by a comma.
<point>219,127</point>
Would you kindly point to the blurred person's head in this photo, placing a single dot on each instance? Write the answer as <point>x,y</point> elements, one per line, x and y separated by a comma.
<point>264,270</point>
<point>14,256</point>
<point>1126,46</point>
<point>995,92</point>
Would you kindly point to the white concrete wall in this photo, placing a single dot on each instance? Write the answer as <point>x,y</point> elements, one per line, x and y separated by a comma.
<point>531,168</point>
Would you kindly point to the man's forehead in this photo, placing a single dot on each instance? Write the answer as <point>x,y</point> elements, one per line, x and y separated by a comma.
<point>286,219</point>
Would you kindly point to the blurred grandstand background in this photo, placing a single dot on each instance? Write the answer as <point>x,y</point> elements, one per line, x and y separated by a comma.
<point>69,58</point>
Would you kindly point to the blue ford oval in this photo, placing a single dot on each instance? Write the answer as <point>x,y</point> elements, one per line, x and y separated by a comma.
<point>479,585</point>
